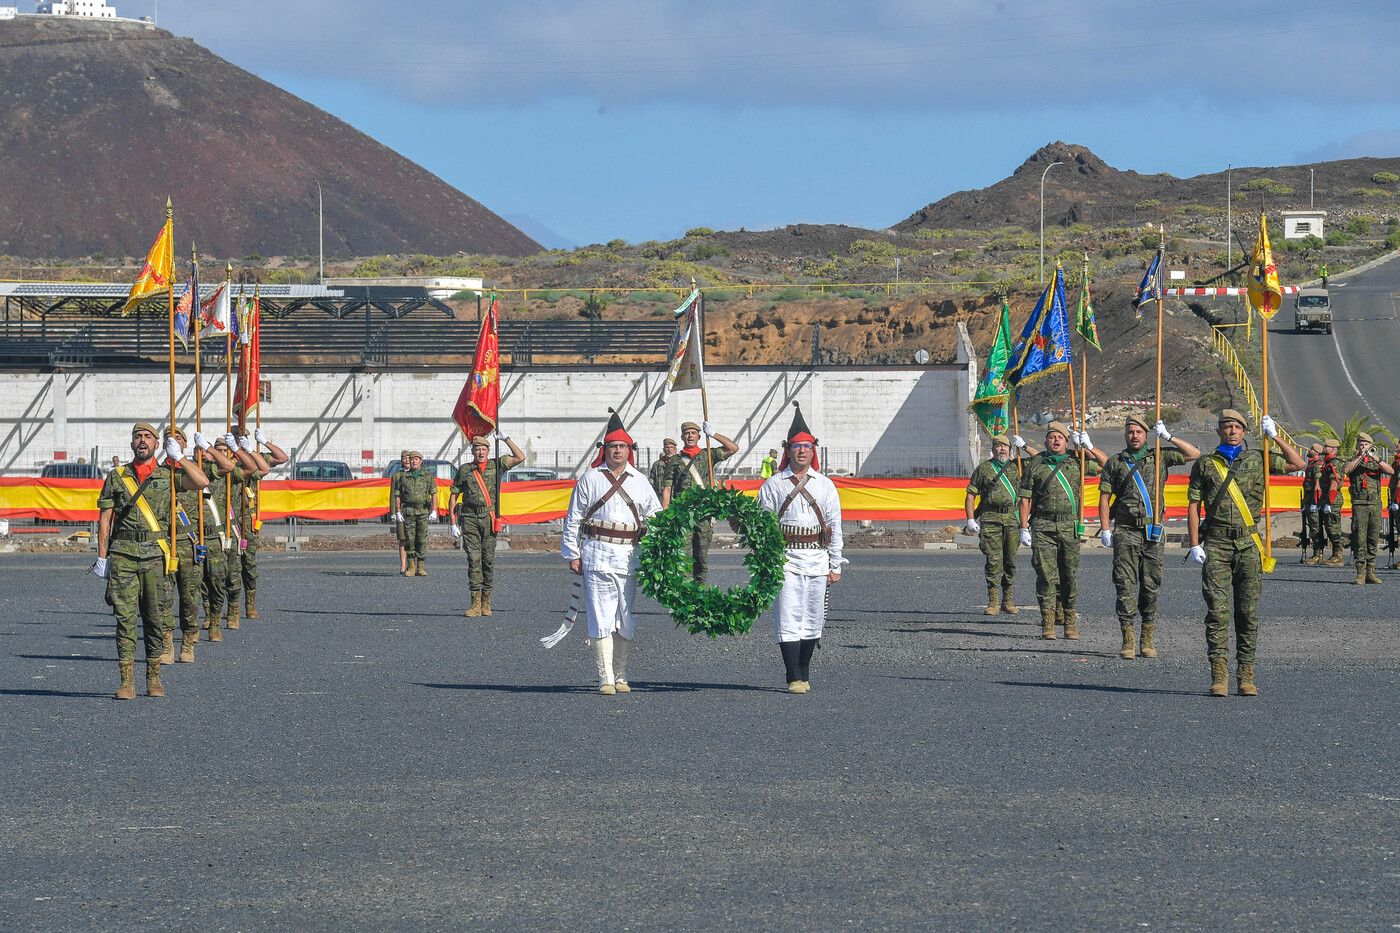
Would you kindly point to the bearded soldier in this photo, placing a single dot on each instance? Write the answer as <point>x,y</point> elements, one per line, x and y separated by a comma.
<point>1365,471</point>
<point>1330,480</point>
<point>606,519</point>
<point>477,519</point>
<point>1311,512</point>
<point>1051,525</point>
<point>694,468</point>
<point>1130,496</point>
<point>1226,493</point>
<point>990,509</point>
<point>223,566</point>
<point>133,548</point>
<point>808,510</point>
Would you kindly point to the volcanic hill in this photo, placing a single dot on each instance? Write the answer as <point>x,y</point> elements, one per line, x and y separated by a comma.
<point>101,121</point>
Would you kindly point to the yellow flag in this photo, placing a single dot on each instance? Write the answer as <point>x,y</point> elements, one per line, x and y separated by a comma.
<point>1265,295</point>
<point>158,272</point>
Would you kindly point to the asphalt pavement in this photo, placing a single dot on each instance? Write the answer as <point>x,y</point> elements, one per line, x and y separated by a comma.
<point>1317,375</point>
<point>363,757</point>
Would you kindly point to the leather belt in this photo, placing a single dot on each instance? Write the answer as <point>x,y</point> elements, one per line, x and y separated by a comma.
<point>140,537</point>
<point>612,532</point>
<point>803,538</point>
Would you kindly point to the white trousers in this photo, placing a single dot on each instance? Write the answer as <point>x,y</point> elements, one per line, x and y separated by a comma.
<point>609,598</point>
<point>800,611</point>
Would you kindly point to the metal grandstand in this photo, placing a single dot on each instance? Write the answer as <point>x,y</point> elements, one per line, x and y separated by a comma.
<point>60,325</point>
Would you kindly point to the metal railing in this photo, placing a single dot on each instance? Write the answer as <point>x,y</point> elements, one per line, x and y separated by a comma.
<point>1222,345</point>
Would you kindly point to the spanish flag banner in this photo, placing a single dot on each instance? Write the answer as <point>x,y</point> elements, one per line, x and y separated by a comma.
<point>159,270</point>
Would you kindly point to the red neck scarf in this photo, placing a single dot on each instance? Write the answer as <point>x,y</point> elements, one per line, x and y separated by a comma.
<point>691,452</point>
<point>143,470</point>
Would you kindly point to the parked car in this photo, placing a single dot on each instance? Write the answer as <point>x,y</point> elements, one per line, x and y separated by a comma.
<point>445,469</point>
<point>322,471</point>
<point>1312,310</point>
<point>524,474</point>
<point>70,471</point>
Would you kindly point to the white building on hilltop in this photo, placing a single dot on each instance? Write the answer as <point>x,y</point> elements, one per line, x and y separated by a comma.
<point>92,9</point>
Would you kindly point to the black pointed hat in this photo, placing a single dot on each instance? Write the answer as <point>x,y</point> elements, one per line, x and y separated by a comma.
<point>798,431</point>
<point>616,432</point>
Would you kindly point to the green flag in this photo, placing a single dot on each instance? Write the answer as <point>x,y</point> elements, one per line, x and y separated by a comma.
<point>1084,320</point>
<point>990,402</point>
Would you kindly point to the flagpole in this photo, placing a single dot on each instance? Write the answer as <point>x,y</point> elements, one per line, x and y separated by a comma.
<point>170,296</point>
<point>1157,444</point>
<point>704,396</point>
<point>198,384</point>
<point>1012,391</point>
<point>256,337</point>
<point>228,395</point>
<point>1264,377</point>
<point>495,328</point>
<point>1083,372</point>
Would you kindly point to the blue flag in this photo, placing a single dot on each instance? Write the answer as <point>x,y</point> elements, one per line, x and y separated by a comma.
<point>185,309</point>
<point>1043,347</point>
<point>1150,289</point>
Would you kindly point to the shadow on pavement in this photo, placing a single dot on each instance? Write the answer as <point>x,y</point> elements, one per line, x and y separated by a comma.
<point>61,657</point>
<point>71,612</point>
<point>357,613</point>
<point>1102,688</point>
<point>360,573</point>
<point>107,637</point>
<point>53,693</point>
<point>653,686</point>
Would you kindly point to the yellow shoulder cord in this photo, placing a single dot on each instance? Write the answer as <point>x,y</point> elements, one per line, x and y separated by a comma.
<point>1265,561</point>
<point>172,562</point>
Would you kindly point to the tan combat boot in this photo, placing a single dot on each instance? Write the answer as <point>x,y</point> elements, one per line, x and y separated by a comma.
<point>216,633</point>
<point>993,603</point>
<point>408,570</point>
<point>1336,559</point>
<point>231,617</point>
<point>1147,649</point>
<point>475,610</point>
<point>167,654</point>
<point>1007,606</point>
<point>250,603</point>
<point>1371,572</point>
<point>1129,650</point>
<point>486,602</point>
<point>1219,678</point>
<point>154,688</point>
<point>1070,618</point>
<point>1315,559</point>
<point>1245,676</point>
<point>187,642</point>
<point>127,690</point>
<point>1360,573</point>
<point>1047,623</point>
<point>421,571</point>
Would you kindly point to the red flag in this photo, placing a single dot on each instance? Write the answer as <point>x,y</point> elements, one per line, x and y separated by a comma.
<point>248,389</point>
<point>478,405</point>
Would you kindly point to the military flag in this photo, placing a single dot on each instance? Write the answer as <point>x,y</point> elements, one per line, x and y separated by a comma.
<point>478,407</point>
<point>1043,347</point>
<point>1265,294</point>
<point>1084,321</point>
<point>185,312</point>
<point>158,271</point>
<point>993,393</point>
<point>247,392</point>
<point>1150,289</point>
<point>686,367</point>
<point>215,312</point>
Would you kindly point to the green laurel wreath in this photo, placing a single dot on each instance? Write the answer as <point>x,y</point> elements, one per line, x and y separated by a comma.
<point>664,569</point>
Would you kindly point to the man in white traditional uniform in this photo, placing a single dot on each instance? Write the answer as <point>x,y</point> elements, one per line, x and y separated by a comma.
<point>606,520</point>
<point>809,512</point>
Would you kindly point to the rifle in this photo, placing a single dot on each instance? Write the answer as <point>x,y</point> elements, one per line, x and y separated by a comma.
<point>1303,535</point>
<point>1390,538</point>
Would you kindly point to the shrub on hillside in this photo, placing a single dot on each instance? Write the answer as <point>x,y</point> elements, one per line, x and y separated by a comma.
<point>698,231</point>
<point>1372,193</point>
<point>1385,178</point>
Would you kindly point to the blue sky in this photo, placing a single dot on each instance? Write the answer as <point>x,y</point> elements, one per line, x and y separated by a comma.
<point>640,119</point>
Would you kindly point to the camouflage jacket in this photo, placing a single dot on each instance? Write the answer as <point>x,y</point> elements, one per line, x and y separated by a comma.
<point>131,536</point>
<point>1046,493</point>
<point>465,485</point>
<point>1117,480</point>
<point>687,471</point>
<point>662,473</point>
<point>1249,475</point>
<point>989,484</point>
<point>417,490</point>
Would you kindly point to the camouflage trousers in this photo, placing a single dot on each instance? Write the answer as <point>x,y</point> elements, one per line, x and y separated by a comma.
<point>1137,574</point>
<point>248,564</point>
<point>999,541</point>
<point>1230,581</point>
<point>186,588</point>
<point>137,586</point>
<point>1312,520</point>
<point>700,550</point>
<point>1055,557</point>
<point>1332,527</point>
<point>1365,530</point>
<point>415,524</point>
<point>479,541</point>
<point>222,577</point>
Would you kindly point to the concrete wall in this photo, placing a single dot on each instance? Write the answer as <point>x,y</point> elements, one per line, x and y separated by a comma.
<point>875,421</point>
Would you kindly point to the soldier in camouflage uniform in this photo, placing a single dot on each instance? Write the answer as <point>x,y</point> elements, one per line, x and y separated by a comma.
<point>475,520</point>
<point>1229,546</point>
<point>223,570</point>
<point>186,585</point>
<point>693,468</point>
<point>990,508</point>
<point>399,532</point>
<point>1329,480</point>
<point>1050,526</point>
<point>417,499</point>
<point>1394,508</point>
<point>1365,472</point>
<point>1311,512</point>
<point>249,513</point>
<point>1126,499</point>
<point>661,473</point>
<point>133,541</point>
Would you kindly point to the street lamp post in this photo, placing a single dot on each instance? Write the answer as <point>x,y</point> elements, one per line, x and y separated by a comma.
<point>1229,216</point>
<point>321,229</point>
<point>1310,188</point>
<point>1042,218</point>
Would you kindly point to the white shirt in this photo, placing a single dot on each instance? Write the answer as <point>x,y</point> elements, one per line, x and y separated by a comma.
<point>598,555</point>
<point>808,561</point>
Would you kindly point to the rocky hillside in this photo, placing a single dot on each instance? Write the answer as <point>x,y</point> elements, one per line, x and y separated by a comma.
<point>101,121</point>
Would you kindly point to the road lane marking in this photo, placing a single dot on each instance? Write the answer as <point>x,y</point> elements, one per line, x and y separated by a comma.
<point>1346,371</point>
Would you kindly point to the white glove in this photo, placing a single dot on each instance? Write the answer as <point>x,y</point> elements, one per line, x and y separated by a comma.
<point>259,436</point>
<point>503,437</point>
<point>1106,538</point>
<point>246,445</point>
<point>1018,441</point>
<point>1395,506</point>
<point>1162,432</point>
<point>973,527</point>
<point>231,441</point>
<point>1025,537</point>
<point>99,568</point>
<point>1083,440</point>
<point>1313,507</point>
<point>1198,554</point>
<point>202,442</point>
<point>1327,508</point>
<point>456,531</point>
<point>173,450</point>
<point>708,428</point>
<point>398,517</point>
<point>1266,424</point>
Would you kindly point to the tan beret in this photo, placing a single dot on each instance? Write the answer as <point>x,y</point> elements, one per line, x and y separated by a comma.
<point>1315,449</point>
<point>1057,427</point>
<point>1139,420</point>
<point>669,440</point>
<point>690,426</point>
<point>144,426</point>
<point>1230,414</point>
<point>414,453</point>
<point>176,432</point>
<point>1332,442</point>
<point>481,441</point>
<point>1363,436</point>
<point>1001,439</point>
<point>404,453</point>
